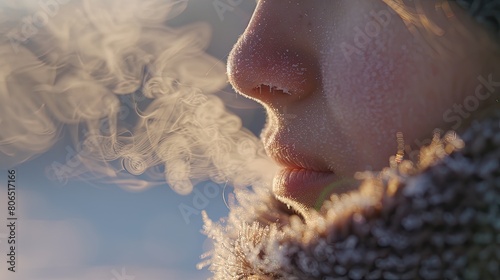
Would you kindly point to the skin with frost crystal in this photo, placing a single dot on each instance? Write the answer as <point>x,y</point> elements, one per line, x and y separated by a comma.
<point>376,85</point>
<point>355,75</point>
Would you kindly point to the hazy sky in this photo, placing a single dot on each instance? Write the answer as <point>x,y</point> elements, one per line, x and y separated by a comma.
<point>91,230</point>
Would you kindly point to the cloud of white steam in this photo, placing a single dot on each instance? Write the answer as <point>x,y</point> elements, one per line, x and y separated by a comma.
<point>69,63</point>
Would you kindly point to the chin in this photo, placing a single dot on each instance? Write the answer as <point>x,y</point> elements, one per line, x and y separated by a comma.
<point>305,191</point>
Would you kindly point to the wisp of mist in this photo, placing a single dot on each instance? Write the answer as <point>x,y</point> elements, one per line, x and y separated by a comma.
<point>66,66</point>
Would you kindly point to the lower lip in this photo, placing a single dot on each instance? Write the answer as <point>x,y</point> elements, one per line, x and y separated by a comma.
<point>306,187</point>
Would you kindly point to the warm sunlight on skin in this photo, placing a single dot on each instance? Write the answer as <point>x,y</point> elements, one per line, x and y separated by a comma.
<point>339,81</point>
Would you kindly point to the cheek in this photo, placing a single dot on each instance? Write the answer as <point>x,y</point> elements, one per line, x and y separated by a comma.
<point>371,90</point>
<point>391,86</point>
<point>384,89</point>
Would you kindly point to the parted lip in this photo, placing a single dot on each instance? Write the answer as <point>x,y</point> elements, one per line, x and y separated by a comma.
<point>306,187</point>
<point>291,180</point>
<point>300,180</point>
<point>291,156</point>
<point>305,176</point>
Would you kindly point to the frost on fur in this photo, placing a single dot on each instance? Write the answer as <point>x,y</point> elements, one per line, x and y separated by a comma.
<point>438,219</point>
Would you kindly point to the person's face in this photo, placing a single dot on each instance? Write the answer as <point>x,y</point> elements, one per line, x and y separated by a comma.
<point>340,79</point>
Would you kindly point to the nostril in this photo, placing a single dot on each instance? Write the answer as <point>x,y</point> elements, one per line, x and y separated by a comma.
<point>272,89</point>
<point>273,71</point>
<point>294,75</point>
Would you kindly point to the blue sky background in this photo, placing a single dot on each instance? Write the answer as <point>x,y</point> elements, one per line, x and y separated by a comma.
<point>91,230</point>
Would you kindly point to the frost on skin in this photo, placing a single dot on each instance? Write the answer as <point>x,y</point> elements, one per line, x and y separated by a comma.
<point>439,219</point>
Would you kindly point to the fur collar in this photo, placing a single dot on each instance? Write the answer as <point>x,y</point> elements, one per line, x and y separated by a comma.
<point>439,219</point>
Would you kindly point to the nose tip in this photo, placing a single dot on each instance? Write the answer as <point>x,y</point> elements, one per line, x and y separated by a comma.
<point>272,70</point>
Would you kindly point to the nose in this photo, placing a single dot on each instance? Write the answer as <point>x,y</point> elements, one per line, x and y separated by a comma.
<point>274,61</point>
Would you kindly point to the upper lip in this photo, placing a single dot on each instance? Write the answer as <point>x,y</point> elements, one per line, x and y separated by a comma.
<point>291,156</point>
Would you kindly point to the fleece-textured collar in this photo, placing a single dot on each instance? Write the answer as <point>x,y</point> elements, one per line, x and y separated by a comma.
<point>486,12</point>
<point>439,219</point>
